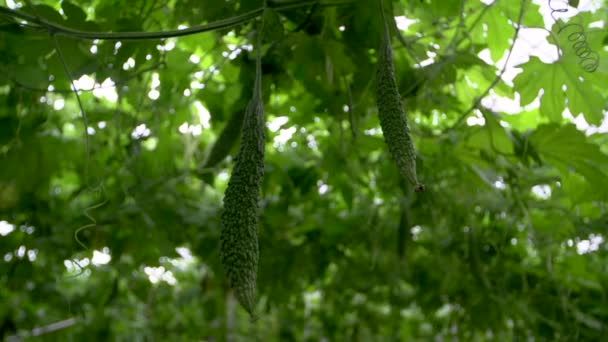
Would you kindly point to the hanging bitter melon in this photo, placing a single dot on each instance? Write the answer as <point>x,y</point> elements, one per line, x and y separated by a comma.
<point>239,251</point>
<point>393,120</point>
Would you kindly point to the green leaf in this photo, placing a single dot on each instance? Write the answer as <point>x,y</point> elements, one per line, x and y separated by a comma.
<point>492,137</point>
<point>532,12</point>
<point>499,32</point>
<point>564,86</point>
<point>341,62</point>
<point>30,77</point>
<point>46,12</point>
<point>445,8</point>
<point>569,150</point>
<point>74,13</point>
<point>273,27</point>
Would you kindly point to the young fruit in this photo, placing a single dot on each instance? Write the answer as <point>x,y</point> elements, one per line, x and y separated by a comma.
<point>392,115</point>
<point>239,236</point>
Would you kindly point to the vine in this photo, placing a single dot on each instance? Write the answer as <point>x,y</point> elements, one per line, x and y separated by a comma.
<point>58,29</point>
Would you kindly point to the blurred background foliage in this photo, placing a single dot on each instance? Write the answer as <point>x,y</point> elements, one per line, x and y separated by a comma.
<point>112,234</point>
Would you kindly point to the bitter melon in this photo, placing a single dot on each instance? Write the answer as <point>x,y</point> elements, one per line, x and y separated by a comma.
<point>391,113</point>
<point>239,250</point>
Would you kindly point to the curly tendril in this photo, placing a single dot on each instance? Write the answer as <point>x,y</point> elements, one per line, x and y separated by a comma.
<point>589,60</point>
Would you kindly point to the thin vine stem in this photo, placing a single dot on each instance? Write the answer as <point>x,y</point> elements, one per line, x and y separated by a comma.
<point>58,29</point>
<point>85,119</point>
<point>498,77</point>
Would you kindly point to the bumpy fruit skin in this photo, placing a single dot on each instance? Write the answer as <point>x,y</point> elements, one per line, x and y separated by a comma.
<point>392,115</point>
<point>239,250</point>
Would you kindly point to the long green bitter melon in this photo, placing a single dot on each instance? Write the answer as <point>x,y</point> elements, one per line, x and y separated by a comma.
<point>391,113</point>
<point>239,250</point>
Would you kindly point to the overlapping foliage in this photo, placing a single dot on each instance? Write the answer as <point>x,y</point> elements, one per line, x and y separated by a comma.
<point>506,242</point>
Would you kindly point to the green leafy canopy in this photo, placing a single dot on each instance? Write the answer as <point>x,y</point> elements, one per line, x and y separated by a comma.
<point>111,196</point>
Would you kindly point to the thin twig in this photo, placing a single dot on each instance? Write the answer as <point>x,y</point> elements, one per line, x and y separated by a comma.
<point>85,119</point>
<point>496,79</point>
<point>38,331</point>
